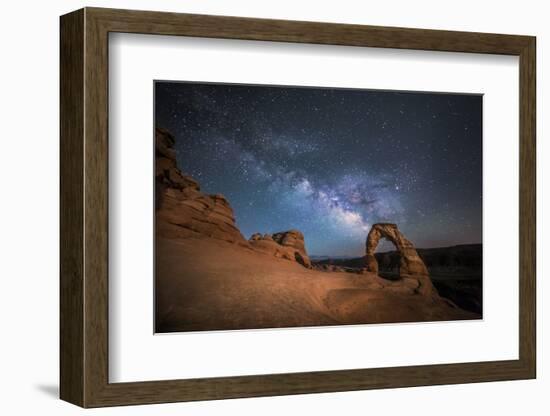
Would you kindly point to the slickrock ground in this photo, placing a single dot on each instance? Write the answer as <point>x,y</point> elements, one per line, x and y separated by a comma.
<point>208,284</point>
<point>208,276</point>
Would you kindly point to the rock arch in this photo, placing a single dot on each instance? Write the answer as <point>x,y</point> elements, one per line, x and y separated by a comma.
<point>410,265</point>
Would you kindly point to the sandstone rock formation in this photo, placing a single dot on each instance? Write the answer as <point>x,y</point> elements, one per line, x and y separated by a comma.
<point>287,245</point>
<point>209,277</point>
<point>182,210</point>
<point>411,265</point>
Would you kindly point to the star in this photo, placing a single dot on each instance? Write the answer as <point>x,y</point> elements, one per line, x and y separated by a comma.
<point>332,162</point>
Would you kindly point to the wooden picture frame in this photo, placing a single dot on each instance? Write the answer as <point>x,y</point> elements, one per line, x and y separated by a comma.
<point>84,207</point>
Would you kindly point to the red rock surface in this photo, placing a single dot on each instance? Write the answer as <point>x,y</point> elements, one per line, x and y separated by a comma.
<point>208,284</point>
<point>288,245</point>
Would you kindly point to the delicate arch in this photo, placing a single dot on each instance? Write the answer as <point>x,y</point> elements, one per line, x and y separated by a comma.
<point>410,265</point>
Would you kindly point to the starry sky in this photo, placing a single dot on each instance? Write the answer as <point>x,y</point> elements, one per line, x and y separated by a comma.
<point>332,162</point>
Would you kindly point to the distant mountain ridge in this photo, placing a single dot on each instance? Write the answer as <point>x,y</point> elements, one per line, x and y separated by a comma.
<point>325,257</point>
<point>468,255</point>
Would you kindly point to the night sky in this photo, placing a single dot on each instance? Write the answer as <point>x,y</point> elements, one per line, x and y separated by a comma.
<point>332,162</point>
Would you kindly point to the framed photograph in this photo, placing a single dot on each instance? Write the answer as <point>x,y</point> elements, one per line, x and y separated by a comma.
<point>255,207</point>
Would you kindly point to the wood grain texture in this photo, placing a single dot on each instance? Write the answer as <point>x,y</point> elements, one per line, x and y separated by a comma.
<point>96,217</point>
<point>527,208</point>
<point>162,23</point>
<point>84,207</point>
<point>71,208</point>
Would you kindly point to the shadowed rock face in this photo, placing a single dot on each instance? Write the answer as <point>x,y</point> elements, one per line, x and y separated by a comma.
<point>411,265</point>
<point>287,245</point>
<point>182,210</point>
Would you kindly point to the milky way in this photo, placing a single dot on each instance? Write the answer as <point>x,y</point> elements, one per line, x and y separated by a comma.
<point>331,162</point>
